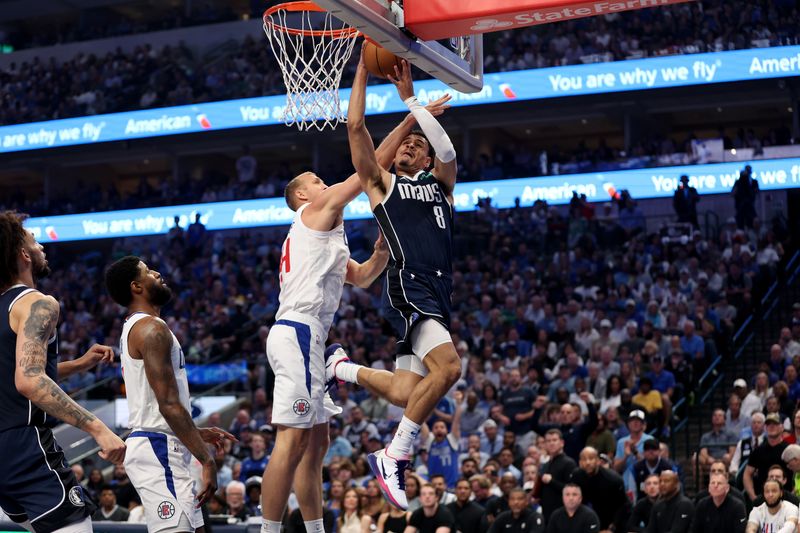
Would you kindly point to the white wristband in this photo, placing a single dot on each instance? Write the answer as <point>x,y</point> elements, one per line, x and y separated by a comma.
<point>412,103</point>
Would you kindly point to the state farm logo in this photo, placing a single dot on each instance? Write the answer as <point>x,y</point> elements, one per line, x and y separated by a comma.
<point>490,24</point>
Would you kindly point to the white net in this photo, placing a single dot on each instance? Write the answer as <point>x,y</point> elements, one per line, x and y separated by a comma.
<point>312,48</point>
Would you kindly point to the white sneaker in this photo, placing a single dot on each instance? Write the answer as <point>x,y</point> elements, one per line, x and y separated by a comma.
<point>391,477</point>
<point>334,354</point>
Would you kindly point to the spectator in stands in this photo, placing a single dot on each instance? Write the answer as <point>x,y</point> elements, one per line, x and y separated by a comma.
<point>717,444</point>
<point>685,201</point>
<point>791,456</point>
<point>431,516</point>
<point>440,484</point>
<point>640,516</point>
<point>467,513</point>
<point>555,473</point>
<point>443,447</point>
<point>235,500</point>
<point>718,467</point>
<point>720,512</point>
<point>736,422</point>
<point>603,490</point>
<point>649,400</point>
<point>574,428</point>
<point>775,514</point>
<point>109,510</point>
<point>630,449</point>
<point>340,447</point>
<point>756,399</point>
<point>482,490</point>
<point>744,192</point>
<point>352,519</point>
<point>519,518</point>
<point>256,462</point>
<point>746,445</point>
<point>776,473</point>
<point>673,512</point>
<point>652,463</point>
<point>517,401</point>
<point>500,504</point>
<point>693,346</point>
<point>473,415</point>
<point>358,424</point>
<point>762,458</point>
<point>573,516</point>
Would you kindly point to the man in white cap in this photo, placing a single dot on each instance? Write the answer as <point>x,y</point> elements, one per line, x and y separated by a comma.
<point>630,449</point>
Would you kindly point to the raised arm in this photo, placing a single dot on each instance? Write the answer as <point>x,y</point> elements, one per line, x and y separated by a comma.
<point>444,165</point>
<point>151,340</point>
<point>98,353</point>
<point>34,319</point>
<point>374,179</point>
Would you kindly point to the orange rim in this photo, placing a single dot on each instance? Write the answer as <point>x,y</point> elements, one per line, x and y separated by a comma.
<point>298,7</point>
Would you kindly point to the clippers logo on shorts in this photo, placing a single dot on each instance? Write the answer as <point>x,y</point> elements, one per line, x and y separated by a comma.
<point>166,510</point>
<point>76,497</point>
<point>301,407</point>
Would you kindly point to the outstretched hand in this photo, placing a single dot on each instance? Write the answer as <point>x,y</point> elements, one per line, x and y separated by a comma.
<point>98,353</point>
<point>402,80</point>
<point>216,436</point>
<point>439,106</point>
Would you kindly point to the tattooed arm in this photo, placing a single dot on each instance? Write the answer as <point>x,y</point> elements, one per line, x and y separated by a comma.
<point>151,341</point>
<point>34,319</point>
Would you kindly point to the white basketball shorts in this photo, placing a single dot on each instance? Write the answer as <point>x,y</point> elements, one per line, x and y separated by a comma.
<point>158,466</point>
<point>296,353</point>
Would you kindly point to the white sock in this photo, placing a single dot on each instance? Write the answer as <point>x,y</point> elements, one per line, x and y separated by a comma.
<point>314,526</point>
<point>347,371</point>
<point>400,447</point>
<point>270,526</point>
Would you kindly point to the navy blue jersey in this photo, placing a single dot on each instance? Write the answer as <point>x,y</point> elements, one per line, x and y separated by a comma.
<point>15,409</point>
<point>417,222</point>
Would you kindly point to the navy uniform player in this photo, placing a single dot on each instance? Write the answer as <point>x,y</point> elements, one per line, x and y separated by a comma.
<point>163,437</point>
<point>37,488</point>
<point>315,264</point>
<point>414,209</point>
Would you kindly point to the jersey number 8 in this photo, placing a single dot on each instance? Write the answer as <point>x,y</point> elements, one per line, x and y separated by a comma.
<point>438,212</point>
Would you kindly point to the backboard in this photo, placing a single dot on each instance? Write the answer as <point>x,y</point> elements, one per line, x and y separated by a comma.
<point>458,62</point>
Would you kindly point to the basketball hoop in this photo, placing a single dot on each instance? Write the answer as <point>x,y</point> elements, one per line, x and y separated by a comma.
<point>312,47</point>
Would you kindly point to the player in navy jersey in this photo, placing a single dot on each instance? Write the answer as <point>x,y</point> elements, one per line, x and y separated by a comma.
<point>37,488</point>
<point>414,209</point>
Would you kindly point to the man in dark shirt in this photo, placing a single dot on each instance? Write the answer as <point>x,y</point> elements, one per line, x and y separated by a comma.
<point>573,517</point>
<point>674,512</point>
<point>766,455</point>
<point>555,473</point>
<point>520,518</point>
<point>720,512</point>
<point>652,463</point>
<point>431,517</point>
<point>640,516</point>
<point>603,490</point>
<point>517,401</point>
<point>500,504</point>
<point>718,467</point>
<point>776,474</point>
<point>467,514</point>
<point>574,429</point>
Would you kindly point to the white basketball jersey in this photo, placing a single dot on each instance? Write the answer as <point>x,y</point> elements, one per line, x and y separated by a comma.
<point>312,271</point>
<point>769,523</point>
<point>143,410</point>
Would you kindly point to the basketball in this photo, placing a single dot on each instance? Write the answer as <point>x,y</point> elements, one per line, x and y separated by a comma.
<point>380,62</point>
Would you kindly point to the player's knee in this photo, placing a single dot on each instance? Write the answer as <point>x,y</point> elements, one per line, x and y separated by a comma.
<point>452,373</point>
<point>399,397</point>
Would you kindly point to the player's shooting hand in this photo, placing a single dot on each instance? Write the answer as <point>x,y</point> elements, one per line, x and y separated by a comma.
<point>208,484</point>
<point>439,106</point>
<point>98,353</point>
<point>216,436</point>
<point>361,61</point>
<point>402,80</point>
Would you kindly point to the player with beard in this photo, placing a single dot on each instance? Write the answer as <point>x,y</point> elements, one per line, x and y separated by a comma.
<point>37,488</point>
<point>775,515</point>
<point>164,437</point>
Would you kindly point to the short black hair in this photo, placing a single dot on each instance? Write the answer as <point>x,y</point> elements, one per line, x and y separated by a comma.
<point>12,239</point>
<point>107,487</point>
<point>119,277</point>
<point>420,133</point>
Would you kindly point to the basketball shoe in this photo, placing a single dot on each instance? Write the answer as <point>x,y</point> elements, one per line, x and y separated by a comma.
<point>391,477</point>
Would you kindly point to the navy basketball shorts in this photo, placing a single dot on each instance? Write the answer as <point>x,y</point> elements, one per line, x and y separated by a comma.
<point>36,483</point>
<point>417,305</point>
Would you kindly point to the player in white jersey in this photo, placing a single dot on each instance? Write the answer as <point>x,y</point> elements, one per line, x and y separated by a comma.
<point>315,264</point>
<point>163,438</point>
<point>775,515</point>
